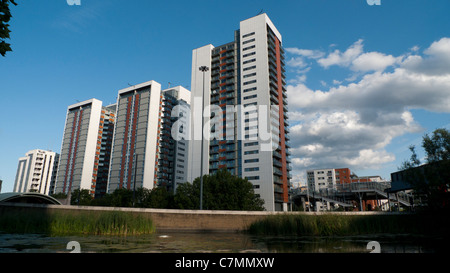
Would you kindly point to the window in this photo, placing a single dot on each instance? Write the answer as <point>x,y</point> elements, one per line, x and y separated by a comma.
<point>249,104</point>
<point>251,144</point>
<point>248,41</point>
<point>249,89</point>
<point>250,61</point>
<point>250,68</point>
<point>248,34</point>
<point>250,97</point>
<point>252,169</point>
<point>250,75</point>
<point>253,177</point>
<point>254,160</point>
<point>249,54</point>
<point>249,82</point>
<point>249,47</point>
<point>251,152</point>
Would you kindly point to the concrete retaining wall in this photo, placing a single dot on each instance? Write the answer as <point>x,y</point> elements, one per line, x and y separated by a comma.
<point>188,220</point>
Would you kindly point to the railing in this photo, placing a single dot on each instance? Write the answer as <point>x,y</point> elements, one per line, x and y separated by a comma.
<point>341,189</point>
<point>363,186</point>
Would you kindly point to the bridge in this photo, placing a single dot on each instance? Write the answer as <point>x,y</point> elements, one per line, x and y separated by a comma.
<point>349,195</point>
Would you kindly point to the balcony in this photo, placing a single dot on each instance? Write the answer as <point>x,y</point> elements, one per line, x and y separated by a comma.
<point>277,154</point>
<point>277,163</point>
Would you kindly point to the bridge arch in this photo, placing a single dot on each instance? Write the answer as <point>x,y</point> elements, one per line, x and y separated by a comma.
<point>28,198</point>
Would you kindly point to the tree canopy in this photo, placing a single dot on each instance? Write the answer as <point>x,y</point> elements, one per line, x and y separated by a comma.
<point>221,191</point>
<point>5,17</point>
<point>433,178</point>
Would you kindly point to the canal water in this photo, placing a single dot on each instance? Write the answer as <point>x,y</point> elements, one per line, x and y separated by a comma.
<point>185,242</point>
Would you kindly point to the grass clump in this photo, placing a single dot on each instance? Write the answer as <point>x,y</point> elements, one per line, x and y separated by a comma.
<point>60,222</point>
<point>337,225</point>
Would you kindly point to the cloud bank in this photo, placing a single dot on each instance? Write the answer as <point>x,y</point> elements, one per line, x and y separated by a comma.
<point>350,125</point>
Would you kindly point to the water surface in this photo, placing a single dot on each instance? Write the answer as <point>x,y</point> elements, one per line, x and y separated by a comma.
<point>190,242</point>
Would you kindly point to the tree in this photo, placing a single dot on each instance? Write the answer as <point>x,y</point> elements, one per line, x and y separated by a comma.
<point>5,16</point>
<point>221,191</point>
<point>433,178</point>
<point>82,198</point>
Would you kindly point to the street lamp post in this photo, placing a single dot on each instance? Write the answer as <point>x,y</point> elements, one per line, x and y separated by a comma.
<point>203,69</point>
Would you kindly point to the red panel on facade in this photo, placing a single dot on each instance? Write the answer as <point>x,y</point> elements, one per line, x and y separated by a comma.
<point>282,130</point>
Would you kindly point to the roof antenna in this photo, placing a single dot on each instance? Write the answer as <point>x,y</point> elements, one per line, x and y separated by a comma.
<point>261,12</point>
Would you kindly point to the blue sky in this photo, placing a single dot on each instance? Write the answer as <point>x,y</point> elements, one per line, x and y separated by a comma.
<point>365,82</point>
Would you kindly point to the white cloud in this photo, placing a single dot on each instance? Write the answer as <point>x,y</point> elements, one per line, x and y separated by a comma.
<point>373,61</point>
<point>437,61</point>
<point>342,58</point>
<point>313,54</point>
<point>297,62</point>
<point>351,125</point>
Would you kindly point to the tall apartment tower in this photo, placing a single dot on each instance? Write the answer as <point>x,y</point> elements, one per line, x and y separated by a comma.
<point>173,145</point>
<point>135,137</point>
<point>244,94</point>
<point>145,149</point>
<point>36,172</point>
<point>86,141</point>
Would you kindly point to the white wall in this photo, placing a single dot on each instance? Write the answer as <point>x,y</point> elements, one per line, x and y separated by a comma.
<point>91,145</point>
<point>152,134</point>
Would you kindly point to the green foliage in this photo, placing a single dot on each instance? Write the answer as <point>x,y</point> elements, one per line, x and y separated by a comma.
<point>433,179</point>
<point>221,191</point>
<point>346,225</point>
<point>5,17</point>
<point>82,198</point>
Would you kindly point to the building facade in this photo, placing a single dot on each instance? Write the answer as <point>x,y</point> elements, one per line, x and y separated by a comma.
<point>172,143</point>
<point>327,179</point>
<point>145,151</point>
<point>36,172</point>
<point>86,141</point>
<point>135,137</point>
<point>242,98</point>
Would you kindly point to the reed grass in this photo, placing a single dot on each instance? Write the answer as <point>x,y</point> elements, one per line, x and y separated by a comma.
<point>57,223</point>
<point>339,225</point>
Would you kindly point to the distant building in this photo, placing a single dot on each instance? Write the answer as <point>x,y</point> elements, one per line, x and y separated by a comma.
<point>373,178</point>
<point>1,181</point>
<point>323,179</point>
<point>87,137</point>
<point>36,172</point>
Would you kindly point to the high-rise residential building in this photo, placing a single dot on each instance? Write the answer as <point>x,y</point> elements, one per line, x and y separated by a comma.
<point>36,172</point>
<point>135,137</point>
<point>85,147</point>
<point>103,157</point>
<point>144,148</point>
<point>244,96</point>
<point>173,145</point>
